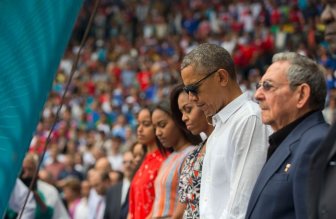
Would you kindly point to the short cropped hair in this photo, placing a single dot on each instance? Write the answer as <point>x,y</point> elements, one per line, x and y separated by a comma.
<point>304,70</point>
<point>209,57</point>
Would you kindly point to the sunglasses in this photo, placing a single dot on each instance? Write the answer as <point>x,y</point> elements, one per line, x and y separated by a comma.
<point>193,88</point>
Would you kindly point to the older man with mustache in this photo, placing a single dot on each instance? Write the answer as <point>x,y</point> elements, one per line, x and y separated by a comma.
<point>291,95</point>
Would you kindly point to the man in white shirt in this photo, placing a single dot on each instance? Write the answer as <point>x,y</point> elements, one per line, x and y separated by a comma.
<point>17,199</point>
<point>50,193</point>
<point>236,149</point>
<point>99,182</point>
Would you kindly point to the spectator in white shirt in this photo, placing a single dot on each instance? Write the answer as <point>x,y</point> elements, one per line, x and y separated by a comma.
<point>236,149</point>
<point>17,199</point>
<point>99,182</point>
<point>50,193</point>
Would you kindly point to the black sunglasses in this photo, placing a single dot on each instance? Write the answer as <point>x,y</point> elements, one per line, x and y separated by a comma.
<point>193,88</point>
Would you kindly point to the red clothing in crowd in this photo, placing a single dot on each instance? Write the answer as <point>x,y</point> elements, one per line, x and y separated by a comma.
<point>141,196</point>
<point>144,78</point>
<point>275,16</point>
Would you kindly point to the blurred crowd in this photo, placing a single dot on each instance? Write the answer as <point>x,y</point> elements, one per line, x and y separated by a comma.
<point>132,59</point>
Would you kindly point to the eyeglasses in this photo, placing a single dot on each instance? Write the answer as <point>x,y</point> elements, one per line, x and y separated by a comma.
<point>266,85</point>
<point>193,88</point>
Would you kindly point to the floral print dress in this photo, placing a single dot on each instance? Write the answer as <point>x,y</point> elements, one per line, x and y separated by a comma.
<point>190,183</point>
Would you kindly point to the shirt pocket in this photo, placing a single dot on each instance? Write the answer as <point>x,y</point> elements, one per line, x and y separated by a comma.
<point>278,186</point>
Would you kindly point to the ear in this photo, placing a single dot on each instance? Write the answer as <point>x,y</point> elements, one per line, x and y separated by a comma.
<point>223,77</point>
<point>303,95</point>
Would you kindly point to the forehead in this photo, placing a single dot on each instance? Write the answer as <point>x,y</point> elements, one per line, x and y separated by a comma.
<point>128,156</point>
<point>189,75</point>
<point>183,99</point>
<point>96,178</point>
<point>159,115</point>
<point>137,147</point>
<point>28,162</point>
<point>85,185</point>
<point>144,114</point>
<point>277,71</point>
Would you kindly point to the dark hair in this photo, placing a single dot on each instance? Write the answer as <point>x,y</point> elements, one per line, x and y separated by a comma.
<point>74,184</point>
<point>119,173</point>
<point>208,57</point>
<point>144,148</point>
<point>150,108</point>
<point>177,115</point>
<point>165,106</point>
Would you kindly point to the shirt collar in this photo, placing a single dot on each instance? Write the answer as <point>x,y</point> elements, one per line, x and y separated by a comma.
<point>278,137</point>
<point>126,181</point>
<point>225,113</point>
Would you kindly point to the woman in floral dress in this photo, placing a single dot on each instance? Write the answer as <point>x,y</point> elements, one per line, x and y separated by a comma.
<point>191,172</point>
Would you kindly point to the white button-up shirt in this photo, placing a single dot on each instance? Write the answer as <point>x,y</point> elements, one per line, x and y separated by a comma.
<point>17,199</point>
<point>236,152</point>
<point>124,190</point>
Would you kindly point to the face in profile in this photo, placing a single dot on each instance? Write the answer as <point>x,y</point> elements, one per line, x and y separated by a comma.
<point>28,168</point>
<point>192,116</point>
<point>165,128</point>
<point>138,154</point>
<point>328,17</point>
<point>128,163</point>
<point>98,183</point>
<point>276,99</point>
<point>203,90</point>
<point>145,130</point>
<point>85,188</point>
<point>69,195</point>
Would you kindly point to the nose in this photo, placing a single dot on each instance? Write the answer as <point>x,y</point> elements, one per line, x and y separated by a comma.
<point>158,132</point>
<point>258,94</point>
<point>139,129</point>
<point>184,117</point>
<point>327,15</point>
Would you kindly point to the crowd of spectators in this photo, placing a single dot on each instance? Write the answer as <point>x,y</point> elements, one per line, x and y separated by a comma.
<point>132,58</point>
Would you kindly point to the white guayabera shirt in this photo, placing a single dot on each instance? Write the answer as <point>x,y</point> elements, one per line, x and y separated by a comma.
<point>236,152</point>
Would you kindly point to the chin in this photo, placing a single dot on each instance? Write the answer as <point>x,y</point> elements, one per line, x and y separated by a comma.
<point>194,132</point>
<point>265,121</point>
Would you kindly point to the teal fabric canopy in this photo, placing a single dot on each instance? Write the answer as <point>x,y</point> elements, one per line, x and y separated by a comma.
<point>34,36</point>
